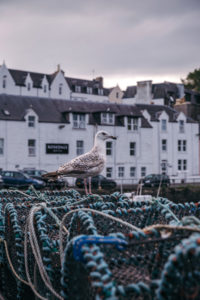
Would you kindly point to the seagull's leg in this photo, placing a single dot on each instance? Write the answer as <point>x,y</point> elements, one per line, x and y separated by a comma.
<point>90,189</point>
<point>85,184</point>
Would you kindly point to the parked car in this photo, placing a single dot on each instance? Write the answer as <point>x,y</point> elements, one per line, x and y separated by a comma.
<point>20,180</point>
<point>51,184</point>
<point>98,181</point>
<point>153,180</point>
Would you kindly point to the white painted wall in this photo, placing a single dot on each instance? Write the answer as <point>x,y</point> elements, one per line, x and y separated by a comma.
<point>148,144</point>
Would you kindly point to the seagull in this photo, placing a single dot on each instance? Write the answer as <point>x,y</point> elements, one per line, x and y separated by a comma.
<point>86,165</point>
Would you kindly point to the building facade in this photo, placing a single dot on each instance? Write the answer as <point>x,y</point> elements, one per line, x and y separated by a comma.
<point>52,125</point>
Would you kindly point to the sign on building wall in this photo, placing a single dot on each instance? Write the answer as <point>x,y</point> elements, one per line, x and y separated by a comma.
<point>57,148</point>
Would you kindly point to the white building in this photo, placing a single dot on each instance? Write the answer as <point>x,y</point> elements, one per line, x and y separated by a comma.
<point>46,120</point>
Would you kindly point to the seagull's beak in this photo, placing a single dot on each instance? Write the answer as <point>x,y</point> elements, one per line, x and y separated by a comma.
<point>112,137</point>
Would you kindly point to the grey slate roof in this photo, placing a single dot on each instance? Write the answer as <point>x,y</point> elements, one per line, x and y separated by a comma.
<point>156,110</point>
<point>57,111</point>
<point>159,90</point>
<point>20,77</point>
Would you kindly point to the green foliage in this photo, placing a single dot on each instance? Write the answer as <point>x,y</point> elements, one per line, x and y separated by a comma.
<point>192,80</point>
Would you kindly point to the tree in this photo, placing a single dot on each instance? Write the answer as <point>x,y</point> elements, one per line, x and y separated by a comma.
<point>192,81</point>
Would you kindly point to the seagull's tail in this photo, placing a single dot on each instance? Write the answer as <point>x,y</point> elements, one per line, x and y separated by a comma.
<point>51,175</point>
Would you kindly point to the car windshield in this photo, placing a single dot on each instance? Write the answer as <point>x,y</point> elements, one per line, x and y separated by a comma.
<point>149,176</point>
<point>25,175</point>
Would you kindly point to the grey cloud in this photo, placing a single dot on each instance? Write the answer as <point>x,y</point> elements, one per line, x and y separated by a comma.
<point>113,37</point>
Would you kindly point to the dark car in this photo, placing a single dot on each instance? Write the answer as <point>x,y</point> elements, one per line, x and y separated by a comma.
<point>20,180</point>
<point>98,181</point>
<point>154,180</point>
<point>1,182</point>
<point>51,184</point>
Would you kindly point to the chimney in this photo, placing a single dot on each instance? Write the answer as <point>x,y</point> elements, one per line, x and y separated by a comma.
<point>99,80</point>
<point>144,92</point>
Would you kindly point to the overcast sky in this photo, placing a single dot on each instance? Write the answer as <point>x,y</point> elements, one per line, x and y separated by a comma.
<point>122,40</point>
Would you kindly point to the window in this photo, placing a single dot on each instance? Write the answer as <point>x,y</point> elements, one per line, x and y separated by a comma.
<point>132,123</point>
<point>182,164</point>
<point>143,171</point>
<point>60,89</point>
<point>1,146</point>
<point>181,126</point>
<point>117,95</point>
<point>182,145</point>
<point>89,90</point>
<point>107,118</point>
<point>79,121</point>
<point>100,92</point>
<point>132,148</point>
<point>31,147</point>
<point>77,89</point>
<point>108,148</point>
<point>4,81</point>
<point>79,147</point>
<point>164,125</point>
<point>164,167</point>
<point>120,171</point>
<point>109,172</point>
<point>28,86</point>
<point>164,145</point>
<point>31,121</point>
<point>45,88</point>
<point>132,171</point>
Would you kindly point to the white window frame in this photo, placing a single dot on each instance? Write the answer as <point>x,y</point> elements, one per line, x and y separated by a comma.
<point>31,121</point>
<point>100,92</point>
<point>45,88</point>
<point>182,164</point>
<point>31,147</point>
<point>4,82</point>
<point>77,88</point>
<point>28,86</point>
<point>79,121</point>
<point>60,89</point>
<point>182,145</point>
<point>79,147</point>
<point>107,118</point>
<point>164,167</point>
<point>132,171</point>
<point>181,125</point>
<point>89,90</point>
<point>132,148</point>
<point>143,171</point>
<point>121,172</point>
<point>1,146</point>
<point>164,145</point>
<point>109,147</point>
<point>109,171</point>
<point>164,125</point>
<point>132,123</point>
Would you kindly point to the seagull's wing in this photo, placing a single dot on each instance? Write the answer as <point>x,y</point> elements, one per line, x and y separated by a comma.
<point>82,163</point>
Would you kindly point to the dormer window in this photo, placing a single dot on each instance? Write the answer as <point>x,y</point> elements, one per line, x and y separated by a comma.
<point>132,123</point>
<point>77,89</point>
<point>45,88</point>
<point>107,118</point>
<point>31,121</point>
<point>60,89</point>
<point>28,86</point>
<point>4,81</point>
<point>89,90</point>
<point>164,125</point>
<point>181,126</point>
<point>100,92</point>
<point>79,121</point>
